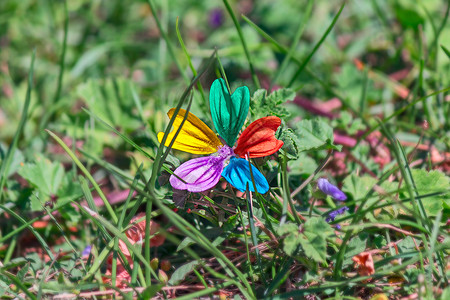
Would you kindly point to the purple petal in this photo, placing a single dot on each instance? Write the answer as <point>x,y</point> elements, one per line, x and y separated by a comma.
<point>332,215</point>
<point>86,250</point>
<point>329,189</point>
<point>216,17</point>
<point>200,174</point>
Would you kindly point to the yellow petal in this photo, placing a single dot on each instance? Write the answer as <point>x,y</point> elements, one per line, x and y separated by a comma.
<point>194,137</point>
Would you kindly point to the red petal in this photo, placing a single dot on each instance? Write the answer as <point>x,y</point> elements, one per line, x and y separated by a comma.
<point>258,138</point>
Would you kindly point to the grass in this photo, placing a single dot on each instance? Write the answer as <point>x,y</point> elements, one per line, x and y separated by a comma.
<point>362,88</point>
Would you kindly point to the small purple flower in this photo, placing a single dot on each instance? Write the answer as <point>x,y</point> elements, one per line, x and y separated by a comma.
<point>216,17</point>
<point>332,215</point>
<point>329,189</point>
<point>86,251</point>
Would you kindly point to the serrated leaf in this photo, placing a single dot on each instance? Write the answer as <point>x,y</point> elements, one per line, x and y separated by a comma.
<point>271,105</point>
<point>354,247</point>
<point>315,246</point>
<point>181,272</point>
<point>358,186</point>
<point>287,228</point>
<point>291,243</point>
<point>319,226</point>
<point>315,135</point>
<point>313,239</point>
<point>43,174</point>
<point>290,140</point>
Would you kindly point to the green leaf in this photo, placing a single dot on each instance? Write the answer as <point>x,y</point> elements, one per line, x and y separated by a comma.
<point>181,272</point>
<point>228,111</point>
<point>291,243</point>
<point>271,105</point>
<point>287,228</point>
<point>22,272</point>
<point>315,135</point>
<point>408,16</point>
<point>445,293</point>
<point>354,247</point>
<point>291,141</point>
<point>17,159</point>
<point>431,182</point>
<point>302,165</point>
<point>406,245</point>
<point>313,239</point>
<point>44,175</point>
<point>111,101</point>
<point>358,186</point>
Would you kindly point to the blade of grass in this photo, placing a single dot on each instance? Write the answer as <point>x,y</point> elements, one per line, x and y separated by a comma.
<point>222,71</point>
<point>31,228</point>
<point>244,44</point>
<point>304,20</point>
<point>86,173</point>
<point>120,226</point>
<point>10,251</point>
<point>419,210</point>
<point>6,163</point>
<point>148,209</point>
<point>194,71</point>
<point>287,193</point>
<point>399,111</point>
<point>159,154</point>
<point>207,291</point>
<point>28,223</point>
<point>111,228</point>
<point>19,284</point>
<point>248,294</point>
<point>433,47</point>
<point>63,54</point>
<point>251,222</point>
<point>446,51</point>
<point>189,230</point>
<point>284,50</point>
<point>317,46</point>
<point>169,44</point>
<point>241,218</point>
<point>281,276</point>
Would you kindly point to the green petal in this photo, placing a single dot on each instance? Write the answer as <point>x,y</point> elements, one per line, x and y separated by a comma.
<point>228,112</point>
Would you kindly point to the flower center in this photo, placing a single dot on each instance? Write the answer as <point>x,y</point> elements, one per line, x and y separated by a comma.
<point>225,152</point>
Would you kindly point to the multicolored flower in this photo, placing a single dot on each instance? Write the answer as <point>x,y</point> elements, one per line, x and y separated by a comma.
<point>228,113</point>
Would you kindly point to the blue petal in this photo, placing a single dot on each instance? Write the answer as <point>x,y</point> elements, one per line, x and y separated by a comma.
<point>238,174</point>
<point>228,111</point>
